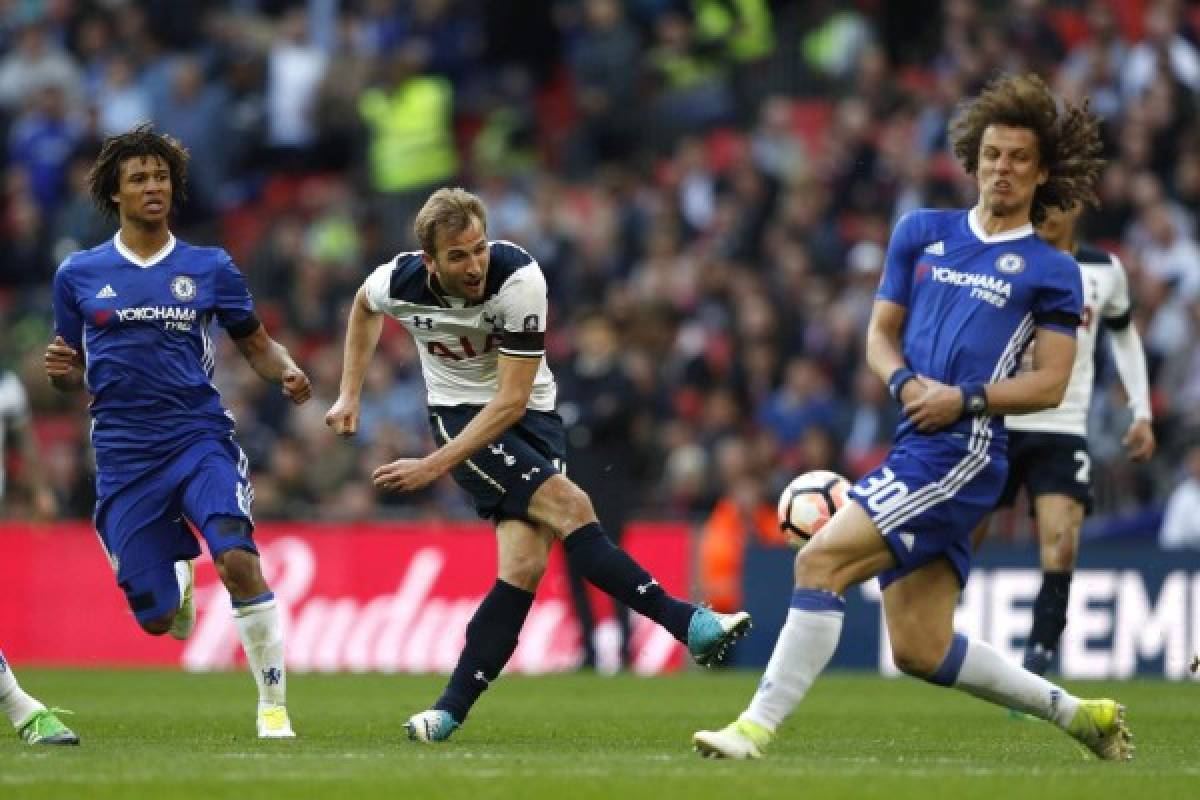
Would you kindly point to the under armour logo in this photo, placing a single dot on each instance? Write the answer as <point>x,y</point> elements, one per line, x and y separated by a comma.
<point>423,322</point>
<point>529,475</point>
<point>272,676</point>
<point>479,676</point>
<point>645,587</point>
<point>498,450</point>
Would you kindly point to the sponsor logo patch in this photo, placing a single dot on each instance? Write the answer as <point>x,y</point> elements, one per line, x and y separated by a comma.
<point>184,288</point>
<point>1010,264</point>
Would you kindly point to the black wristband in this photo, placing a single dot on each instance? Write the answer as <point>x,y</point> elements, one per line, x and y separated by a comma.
<point>900,377</point>
<point>974,397</point>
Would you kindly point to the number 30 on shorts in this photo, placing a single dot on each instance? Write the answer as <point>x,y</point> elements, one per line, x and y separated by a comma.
<point>883,491</point>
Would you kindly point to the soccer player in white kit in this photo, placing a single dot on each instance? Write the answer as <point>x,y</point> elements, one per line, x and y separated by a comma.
<point>477,310</point>
<point>1047,450</point>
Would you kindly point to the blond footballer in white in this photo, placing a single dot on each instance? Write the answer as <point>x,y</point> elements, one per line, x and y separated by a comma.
<point>477,310</point>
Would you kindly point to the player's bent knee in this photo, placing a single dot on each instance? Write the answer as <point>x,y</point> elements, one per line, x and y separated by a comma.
<point>917,660</point>
<point>569,506</point>
<point>818,569</point>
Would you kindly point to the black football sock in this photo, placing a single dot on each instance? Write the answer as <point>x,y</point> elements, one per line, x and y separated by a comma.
<point>491,639</point>
<point>1049,619</point>
<point>611,570</point>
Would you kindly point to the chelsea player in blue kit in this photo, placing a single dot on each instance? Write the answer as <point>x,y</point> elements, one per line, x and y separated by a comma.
<point>962,295</point>
<point>132,319</point>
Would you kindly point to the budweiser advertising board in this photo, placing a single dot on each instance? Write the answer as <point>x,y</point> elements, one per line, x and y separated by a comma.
<point>358,597</point>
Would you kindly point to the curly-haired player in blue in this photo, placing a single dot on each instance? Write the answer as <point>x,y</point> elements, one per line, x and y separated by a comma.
<point>963,294</point>
<point>132,319</point>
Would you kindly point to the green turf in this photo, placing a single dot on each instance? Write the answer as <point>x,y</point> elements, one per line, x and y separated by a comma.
<point>172,735</point>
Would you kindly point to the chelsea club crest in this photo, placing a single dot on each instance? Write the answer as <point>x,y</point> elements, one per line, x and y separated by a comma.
<point>184,288</point>
<point>1010,264</point>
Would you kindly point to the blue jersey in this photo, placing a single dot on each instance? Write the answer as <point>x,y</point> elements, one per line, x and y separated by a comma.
<point>143,329</point>
<point>973,301</point>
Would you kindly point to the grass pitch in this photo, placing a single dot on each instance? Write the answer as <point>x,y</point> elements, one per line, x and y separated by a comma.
<point>172,735</point>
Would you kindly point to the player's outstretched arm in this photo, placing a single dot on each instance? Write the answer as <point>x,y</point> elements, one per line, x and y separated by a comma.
<point>1130,359</point>
<point>64,366</point>
<point>1041,387</point>
<point>273,363</point>
<point>362,336</point>
<point>515,378</point>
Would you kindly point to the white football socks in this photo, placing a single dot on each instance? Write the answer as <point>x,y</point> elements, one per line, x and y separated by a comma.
<point>988,675</point>
<point>262,638</point>
<point>14,702</point>
<point>805,645</point>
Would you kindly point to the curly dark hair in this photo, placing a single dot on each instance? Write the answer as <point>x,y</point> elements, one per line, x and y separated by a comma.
<point>1069,142</point>
<point>105,176</point>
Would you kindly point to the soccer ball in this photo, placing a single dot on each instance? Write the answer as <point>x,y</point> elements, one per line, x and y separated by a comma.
<point>808,502</point>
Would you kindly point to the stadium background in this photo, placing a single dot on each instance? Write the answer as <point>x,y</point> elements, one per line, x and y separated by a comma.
<point>717,178</point>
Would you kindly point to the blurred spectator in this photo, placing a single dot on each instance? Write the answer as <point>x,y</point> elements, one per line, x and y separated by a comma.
<point>600,408</point>
<point>1031,33</point>
<point>1094,68</point>
<point>743,513</point>
<point>40,143</point>
<point>17,422</point>
<point>195,111</point>
<point>605,86</point>
<point>295,69</point>
<point>121,100</point>
<point>872,421</point>
<point>805,399</point>
<point>1165,50</point>
<point>836,39</point>
<point>1171,281</point>
<point>411,138</point>
<point>79,225</point>
<point>1181,522</point>
<point>34,64</point>
<point>693,82</point>
<point>776,148</point>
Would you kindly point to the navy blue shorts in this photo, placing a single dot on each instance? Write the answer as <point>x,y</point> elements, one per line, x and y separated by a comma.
<point>502,477</point>
<point>142,518</point>
<point>1048,463</point>
<point>930,493</point>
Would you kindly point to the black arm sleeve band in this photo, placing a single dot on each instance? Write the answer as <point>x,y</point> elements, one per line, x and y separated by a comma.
<point>520,343</point>
<point>244,327</point>
<point>1119,323</point>
<point>1063,318</point>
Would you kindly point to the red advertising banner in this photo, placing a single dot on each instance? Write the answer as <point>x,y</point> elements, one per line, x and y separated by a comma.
<point>359,597</point>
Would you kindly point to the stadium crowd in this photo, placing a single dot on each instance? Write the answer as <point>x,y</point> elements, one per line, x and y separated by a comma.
<point>707,184</point>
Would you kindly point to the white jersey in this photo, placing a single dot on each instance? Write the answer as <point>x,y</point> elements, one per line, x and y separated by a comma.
<point>1105,296</point>
<point>459,343</point>
<point>14,410</point>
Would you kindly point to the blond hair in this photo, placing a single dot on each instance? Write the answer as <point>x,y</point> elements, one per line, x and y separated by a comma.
<point>449,210</point>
